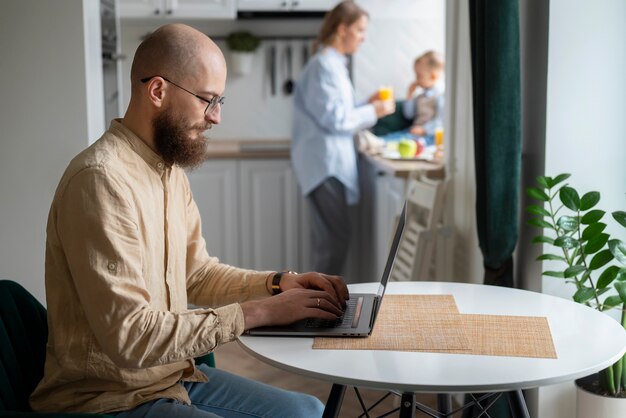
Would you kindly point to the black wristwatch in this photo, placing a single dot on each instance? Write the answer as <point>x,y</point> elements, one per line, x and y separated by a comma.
<point>276,281</point>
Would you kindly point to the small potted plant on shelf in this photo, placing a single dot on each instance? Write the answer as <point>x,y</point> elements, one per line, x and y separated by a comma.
<point>242,45</point>
<point>595,263</point>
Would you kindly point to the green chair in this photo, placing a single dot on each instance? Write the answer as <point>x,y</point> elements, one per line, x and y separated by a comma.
<point>23,337</point>
<point>392,123</point>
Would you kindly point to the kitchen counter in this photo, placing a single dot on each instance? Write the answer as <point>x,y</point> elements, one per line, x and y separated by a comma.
<point>279,149</point>
<point>402,169</point>
<point>234,149</point>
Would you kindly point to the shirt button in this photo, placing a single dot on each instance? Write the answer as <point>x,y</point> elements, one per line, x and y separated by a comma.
<point>112,266</point>
<point>160,165</point>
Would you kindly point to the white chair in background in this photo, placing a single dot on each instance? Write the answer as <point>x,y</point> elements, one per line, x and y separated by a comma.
<point>425,203</point>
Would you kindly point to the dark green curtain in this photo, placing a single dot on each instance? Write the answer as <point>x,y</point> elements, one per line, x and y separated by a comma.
<point>494,27</point>
<point>495,51</point>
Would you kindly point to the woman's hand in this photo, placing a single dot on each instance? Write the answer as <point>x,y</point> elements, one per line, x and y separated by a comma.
<point>384,107</point>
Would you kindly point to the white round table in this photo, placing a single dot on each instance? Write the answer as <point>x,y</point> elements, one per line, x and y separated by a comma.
<point>585,340</point>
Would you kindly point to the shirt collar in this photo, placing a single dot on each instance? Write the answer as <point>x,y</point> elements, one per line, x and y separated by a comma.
<point>335,53</point>
<point>141,148</point>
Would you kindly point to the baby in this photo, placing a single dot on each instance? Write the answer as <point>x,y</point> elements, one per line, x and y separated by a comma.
<point>426,109</point>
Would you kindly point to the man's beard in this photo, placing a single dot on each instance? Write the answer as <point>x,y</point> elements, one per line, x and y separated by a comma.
<point>174,145</point>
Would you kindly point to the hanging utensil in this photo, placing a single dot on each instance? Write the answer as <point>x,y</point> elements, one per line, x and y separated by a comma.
<point>272,69</point>
<point>305,52</point>
<point>288,86</point>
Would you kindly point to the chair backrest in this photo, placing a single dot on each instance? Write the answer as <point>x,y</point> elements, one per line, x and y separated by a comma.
<point>23,338</point>
<point>424,198</point>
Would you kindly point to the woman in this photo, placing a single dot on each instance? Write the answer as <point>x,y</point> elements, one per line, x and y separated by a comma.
<point>325,120</point>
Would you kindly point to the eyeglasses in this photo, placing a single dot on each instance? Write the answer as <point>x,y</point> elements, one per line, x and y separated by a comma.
<point>212,104</point>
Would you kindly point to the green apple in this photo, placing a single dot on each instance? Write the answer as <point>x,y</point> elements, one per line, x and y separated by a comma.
<point>407,148</point>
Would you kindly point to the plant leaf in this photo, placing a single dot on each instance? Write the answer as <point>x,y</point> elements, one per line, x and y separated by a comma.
<point>541,239</point>
<point>537,194</point>
<point>573,271</point>
<point>540,223</point>
<point>620,217</point>
<point>592,216</point>
<point>596,243</point>
<point>600,259</point>
<point>593,230</point>
<point>551,257</point>
<point>558,274</point>
<point>568,223</point>
<point>537,210</point>
<point>566,242</point>
<point>618,249</point>
<point>612,301</point>
<point>570,198</point>
<point>584,294</point>
<point>621,289</point>
<point>607,276</point>
<point>546,182</point>
<point>621,275</point>
<point>589,200</point>
<point>560,178</point>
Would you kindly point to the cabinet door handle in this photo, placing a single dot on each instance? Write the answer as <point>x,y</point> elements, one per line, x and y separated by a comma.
<point>157,11</point>
<point>295,3</point>
<point>283,4</point>
<point>170,11</point>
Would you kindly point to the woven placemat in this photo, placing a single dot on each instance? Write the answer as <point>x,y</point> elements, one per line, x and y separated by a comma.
<point>515,336</point>
<point>409,323</point>
<point>432,323</point>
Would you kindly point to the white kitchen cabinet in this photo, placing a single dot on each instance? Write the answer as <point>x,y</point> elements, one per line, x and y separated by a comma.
<point>251,212</point>
<point>178,9</point>
<point>269,216</point>
<point>215,190</point>
<point>286,5</point>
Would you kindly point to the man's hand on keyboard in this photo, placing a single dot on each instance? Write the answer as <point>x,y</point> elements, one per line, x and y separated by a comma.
<point>333,285</point>
<point>290,306</point>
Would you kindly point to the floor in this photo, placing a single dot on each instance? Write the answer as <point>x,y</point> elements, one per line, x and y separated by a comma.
<point>231,357</point>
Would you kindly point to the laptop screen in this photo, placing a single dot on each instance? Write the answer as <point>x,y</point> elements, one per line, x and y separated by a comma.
<point>391,258</point>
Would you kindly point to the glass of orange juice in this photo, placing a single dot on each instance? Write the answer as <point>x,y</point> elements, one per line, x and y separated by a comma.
<point>385,93</point>
<point>439,136</point>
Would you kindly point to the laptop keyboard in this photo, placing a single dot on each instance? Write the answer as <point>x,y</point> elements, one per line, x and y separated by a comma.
<point>344,321</point>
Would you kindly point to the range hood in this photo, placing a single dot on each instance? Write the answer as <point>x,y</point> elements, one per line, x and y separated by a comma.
<point>284,9</point>
<point>277,14</point>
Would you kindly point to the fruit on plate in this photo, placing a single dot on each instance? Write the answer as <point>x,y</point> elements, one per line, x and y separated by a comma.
<point>407,148</point>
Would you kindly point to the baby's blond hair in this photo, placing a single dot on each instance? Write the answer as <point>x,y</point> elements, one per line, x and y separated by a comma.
<point>433,59</point>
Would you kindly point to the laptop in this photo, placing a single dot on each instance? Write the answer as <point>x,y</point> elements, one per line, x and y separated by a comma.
<point>361,310</point>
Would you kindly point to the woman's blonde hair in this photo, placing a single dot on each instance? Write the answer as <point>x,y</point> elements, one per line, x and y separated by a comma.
<point>347,12</point>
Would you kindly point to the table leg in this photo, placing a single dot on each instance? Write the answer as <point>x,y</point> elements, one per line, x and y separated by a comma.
<point>518,404</point>
<point>335,398</point>
<point>444,403</point>
<point>407,405</point>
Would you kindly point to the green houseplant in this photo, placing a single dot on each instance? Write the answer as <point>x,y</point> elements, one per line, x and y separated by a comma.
<point>591,260</point>
<point>242,45</point>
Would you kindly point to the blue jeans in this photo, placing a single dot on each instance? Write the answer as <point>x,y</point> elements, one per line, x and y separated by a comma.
<point>226,395</point>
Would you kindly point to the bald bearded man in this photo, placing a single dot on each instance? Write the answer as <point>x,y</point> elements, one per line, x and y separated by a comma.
<point>125,256</point>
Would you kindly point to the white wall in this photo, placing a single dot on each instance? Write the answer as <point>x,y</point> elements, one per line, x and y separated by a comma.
<point>585,127</point>
<point>47,114</point>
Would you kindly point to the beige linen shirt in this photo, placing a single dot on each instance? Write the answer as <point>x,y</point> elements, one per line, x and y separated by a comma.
<point>124,256</point>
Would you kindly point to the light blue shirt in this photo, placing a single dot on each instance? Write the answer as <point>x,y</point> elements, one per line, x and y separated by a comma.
<point>326,117</point>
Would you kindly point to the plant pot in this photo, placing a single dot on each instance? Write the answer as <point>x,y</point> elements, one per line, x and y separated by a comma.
<point>241,62</point>
<point>592,405</point>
